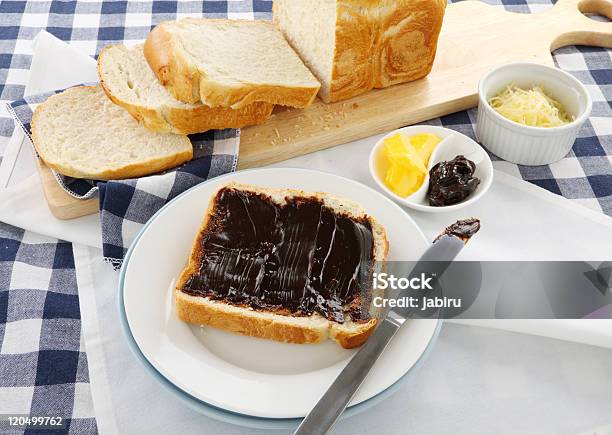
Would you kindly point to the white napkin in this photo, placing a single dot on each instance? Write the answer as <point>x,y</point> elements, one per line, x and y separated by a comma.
<point>465,361</point>
<point>548,383</point>
<point>21,195</point>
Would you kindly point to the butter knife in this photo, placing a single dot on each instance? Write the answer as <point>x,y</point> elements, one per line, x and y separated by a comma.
<point>330,406</point>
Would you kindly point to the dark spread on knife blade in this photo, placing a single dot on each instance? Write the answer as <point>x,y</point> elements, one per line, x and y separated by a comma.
<point>463,229</point>
<point>297,258</point>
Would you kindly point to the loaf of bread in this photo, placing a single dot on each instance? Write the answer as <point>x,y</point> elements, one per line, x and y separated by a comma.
<point>262,272</point>
<point>81,133</point>
<point>228,63</point>
<point>353,46</point>
<point>129,82</point>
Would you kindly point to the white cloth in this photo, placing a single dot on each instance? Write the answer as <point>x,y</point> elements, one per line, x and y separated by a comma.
<point>466,361</point>
<point>501,373</point>
<point>21,195</point>
<point>475,381</point>
<point>520,221</point>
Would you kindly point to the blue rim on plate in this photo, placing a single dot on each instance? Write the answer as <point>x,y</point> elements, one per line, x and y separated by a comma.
<point>229,416</point>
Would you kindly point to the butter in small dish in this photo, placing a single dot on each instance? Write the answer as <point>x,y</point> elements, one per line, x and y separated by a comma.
<point>402,163</point>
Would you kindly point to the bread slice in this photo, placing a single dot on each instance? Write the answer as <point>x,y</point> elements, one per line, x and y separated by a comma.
<point>272,324</point>
<point>81,133</point>
<point>129,82</point>
<point>353,46</point>
<point>229,63</point>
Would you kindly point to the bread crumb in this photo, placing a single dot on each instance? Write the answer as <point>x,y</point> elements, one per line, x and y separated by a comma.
<point>355,105</point>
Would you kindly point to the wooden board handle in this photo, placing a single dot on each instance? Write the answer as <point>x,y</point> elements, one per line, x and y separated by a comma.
<point>582,30</point>
<point>601,7</point>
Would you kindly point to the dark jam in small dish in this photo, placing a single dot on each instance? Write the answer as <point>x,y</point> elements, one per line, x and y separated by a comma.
<point>450,182</point>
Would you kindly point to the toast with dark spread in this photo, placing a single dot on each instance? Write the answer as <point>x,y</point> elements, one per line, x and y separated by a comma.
<point>284,265</point>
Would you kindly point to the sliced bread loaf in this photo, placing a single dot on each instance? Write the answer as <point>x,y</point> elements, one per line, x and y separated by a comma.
<point>129,82</point>
<point>353,46</point>
<point>229,63</point>
<point>82,134</point>
<point>264,269</point>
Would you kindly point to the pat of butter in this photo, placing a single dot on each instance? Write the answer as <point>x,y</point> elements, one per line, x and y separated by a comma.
<point>407,160</point>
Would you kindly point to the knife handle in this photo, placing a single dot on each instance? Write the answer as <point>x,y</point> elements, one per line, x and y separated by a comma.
<point>322,417</point>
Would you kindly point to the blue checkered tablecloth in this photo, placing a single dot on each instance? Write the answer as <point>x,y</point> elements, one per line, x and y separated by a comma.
<point>43,367</point>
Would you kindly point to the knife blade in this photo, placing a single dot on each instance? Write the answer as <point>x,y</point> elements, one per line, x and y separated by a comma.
<point>330,406</point>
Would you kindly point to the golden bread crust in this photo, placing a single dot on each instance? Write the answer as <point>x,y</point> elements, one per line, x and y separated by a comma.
<point>380,43</point>
<point>245,321</point>
<point>171,65</point>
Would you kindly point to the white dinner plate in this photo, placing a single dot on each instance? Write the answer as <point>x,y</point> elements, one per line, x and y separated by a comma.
<point>246,375</point>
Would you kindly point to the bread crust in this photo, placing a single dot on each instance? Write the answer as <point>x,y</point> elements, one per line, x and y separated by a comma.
<point>377,50</point>
<point>246,321</point>
<point>175,70</point>
<point>171,65</point>
<point>133,170</point>
<point>266,324</point>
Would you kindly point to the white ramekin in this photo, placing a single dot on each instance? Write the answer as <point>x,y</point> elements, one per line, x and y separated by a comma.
<point>523,144</point>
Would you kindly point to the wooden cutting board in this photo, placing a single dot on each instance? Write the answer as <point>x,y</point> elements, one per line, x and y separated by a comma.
<point>475,38</point>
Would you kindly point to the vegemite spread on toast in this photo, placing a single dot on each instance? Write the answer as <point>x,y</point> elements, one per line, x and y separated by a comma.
<point>297,258</point>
